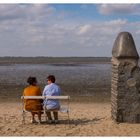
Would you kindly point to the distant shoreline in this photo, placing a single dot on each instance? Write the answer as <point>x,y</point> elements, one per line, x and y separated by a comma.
<point>55,60</point>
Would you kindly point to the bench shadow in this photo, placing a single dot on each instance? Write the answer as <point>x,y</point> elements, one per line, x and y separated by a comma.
<point>85,121</point>
<point>82,121</point>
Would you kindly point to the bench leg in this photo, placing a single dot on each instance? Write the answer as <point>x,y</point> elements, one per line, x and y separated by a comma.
<point>45,112</point>
<point>23,117</point>
<point>68,117</point>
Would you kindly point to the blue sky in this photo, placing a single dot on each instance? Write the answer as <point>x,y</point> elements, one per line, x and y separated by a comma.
<point>65,29</point>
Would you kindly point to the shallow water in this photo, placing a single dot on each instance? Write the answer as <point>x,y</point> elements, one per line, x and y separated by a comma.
<point>82,79</point>
<point>85,74</point>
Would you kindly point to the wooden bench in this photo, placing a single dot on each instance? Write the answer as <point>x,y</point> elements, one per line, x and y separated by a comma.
<point>63,109</point>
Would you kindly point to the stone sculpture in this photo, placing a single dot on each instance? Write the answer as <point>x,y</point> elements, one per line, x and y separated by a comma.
<point>125,81</point>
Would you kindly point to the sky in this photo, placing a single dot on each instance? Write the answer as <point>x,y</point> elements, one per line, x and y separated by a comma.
<point>65,30</point>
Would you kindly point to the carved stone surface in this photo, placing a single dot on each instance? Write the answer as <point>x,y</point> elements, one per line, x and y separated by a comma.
<point>124,46</point>
<point>125,81</point>
<point>131,82</point>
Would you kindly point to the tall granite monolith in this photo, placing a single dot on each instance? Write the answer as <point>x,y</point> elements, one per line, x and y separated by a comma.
<point>125,81</point>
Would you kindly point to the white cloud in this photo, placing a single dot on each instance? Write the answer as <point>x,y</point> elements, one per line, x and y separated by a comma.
<point>138,32</point>
<point>108,9</point>
<point>39,11</point>
<point>34,30</point>
<point>10,12</point>
<point>117,22</point>
<point>25,11</point>
<point>64,36</point>
<point>84,29</point>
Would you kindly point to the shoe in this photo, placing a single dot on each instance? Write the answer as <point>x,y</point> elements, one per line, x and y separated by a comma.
<point>50,121</point>
<point>39,122</point>
<point>34,121</point>
<point>56,121</point>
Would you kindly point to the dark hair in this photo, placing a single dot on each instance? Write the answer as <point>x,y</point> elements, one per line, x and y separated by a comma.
<point>51,78</point>
<point>31,80</point>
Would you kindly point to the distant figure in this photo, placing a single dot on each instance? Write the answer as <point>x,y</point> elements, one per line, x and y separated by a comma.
<point>49,104</point>
<point>33,105</point>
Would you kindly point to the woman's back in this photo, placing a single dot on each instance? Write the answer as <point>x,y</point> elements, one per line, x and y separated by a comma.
<point>32,104</point>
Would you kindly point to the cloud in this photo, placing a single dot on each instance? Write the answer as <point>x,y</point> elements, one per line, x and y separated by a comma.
<point>62,39</point>
<point>138,32</point>
<point>110,9</point>
<point>38,11</point>
<point>25,11</point>
<point>10,11</point>
<point>83,29</point>
<point>101,28</point>
<point>35,30</point>
<point>117,22</point>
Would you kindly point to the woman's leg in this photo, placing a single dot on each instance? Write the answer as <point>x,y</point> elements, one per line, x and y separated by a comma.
<point>39,116</point>
<point>49,115</point>
<point>33,116</point>
<point>55,113</point>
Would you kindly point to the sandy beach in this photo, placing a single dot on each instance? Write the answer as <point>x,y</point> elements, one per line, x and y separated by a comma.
<point>86,119</point>
<point>90,107</point>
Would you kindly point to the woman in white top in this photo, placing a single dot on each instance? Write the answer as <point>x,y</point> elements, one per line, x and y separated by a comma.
<point>51,89</point>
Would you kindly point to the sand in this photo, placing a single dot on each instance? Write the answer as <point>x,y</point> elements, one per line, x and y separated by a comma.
<point>89,115</point>
<point>86,119</point>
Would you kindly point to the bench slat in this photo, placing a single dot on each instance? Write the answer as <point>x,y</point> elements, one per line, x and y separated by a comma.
<point>45,97</point>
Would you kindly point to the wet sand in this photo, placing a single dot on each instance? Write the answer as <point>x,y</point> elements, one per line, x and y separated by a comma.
<point>53,60</point>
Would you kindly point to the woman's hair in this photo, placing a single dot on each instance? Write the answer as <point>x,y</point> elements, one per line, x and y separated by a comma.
<point>51,78</point>
<point>31,80</point>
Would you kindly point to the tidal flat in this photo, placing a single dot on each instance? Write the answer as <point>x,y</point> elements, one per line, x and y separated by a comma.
<point>85,79</point>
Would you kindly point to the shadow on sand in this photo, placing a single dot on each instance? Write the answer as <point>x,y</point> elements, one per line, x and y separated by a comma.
<point>83,121</point>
